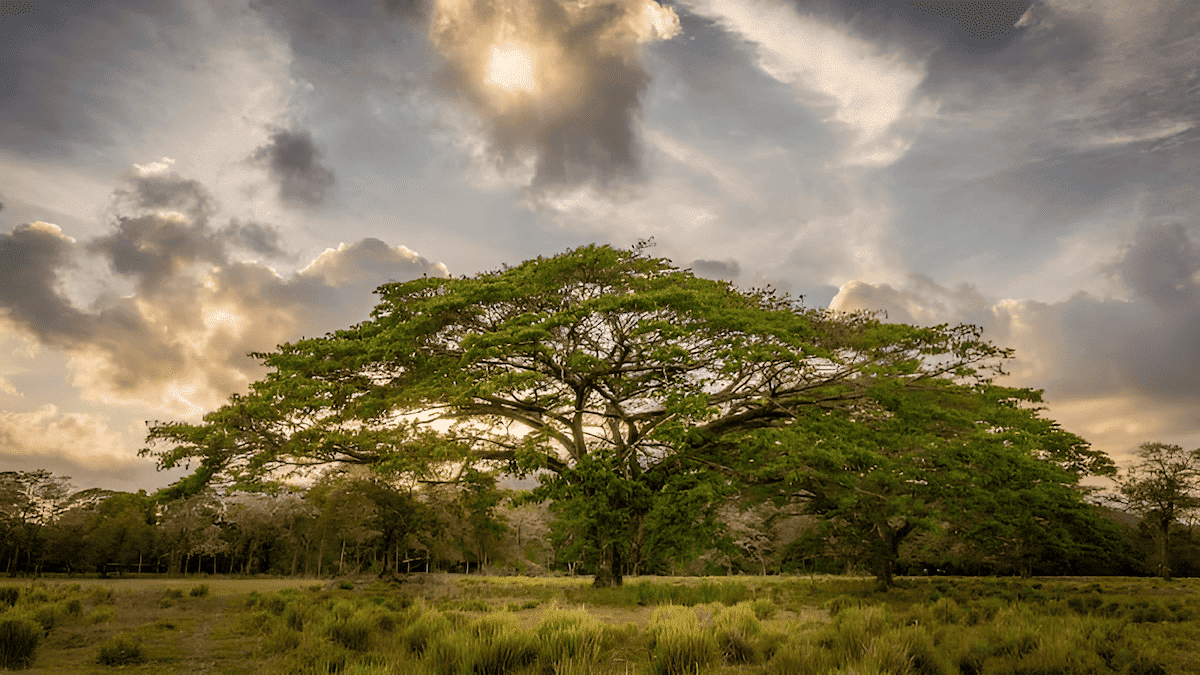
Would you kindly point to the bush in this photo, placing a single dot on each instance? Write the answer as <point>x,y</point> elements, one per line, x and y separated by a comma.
<point>738,633</point>
<point>173,593</point>
<point>18,642</point>
<point>74,607</point>
<point>837,604</point>
<point>570,635</point>
<point>199,591</point>
<point>283,640</point>
<point>346,585</point>
<point>353,633</point>
<point>422,632</point>
<point>503,652</point>
<point>296,616</point>
<point>100,595</point>
<point>273,603</point>
<point>9,595</point>
<point>121,650</point>
<point>764,608</point>
<point>678,642</point>
<point>102,614</point>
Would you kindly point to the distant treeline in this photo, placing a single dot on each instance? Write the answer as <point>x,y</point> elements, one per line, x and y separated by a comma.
<point>350,523</point>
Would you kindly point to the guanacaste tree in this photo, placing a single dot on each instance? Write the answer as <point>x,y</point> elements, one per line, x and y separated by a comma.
<point>1164,486</point>
<point>636,390</point>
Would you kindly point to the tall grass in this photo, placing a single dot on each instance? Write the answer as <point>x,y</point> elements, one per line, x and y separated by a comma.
<point>19,638</point>
<point>679,643</point>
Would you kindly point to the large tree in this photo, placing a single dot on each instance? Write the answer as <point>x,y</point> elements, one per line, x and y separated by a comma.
<point>621,378</point>
<point>1162,487</point>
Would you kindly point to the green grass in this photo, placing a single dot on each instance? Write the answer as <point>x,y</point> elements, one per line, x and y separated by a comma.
<point>483,626</point>
<point>19,639</point>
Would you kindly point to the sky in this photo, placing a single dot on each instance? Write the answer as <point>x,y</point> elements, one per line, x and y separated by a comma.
<point>185,183</point>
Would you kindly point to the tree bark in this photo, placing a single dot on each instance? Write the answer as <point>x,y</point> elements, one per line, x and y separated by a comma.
<point>1164,550</point>
<point>608,570</point>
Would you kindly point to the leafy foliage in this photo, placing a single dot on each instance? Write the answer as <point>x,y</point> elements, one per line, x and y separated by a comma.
<point>642,395</point>
<point>1163,487</point>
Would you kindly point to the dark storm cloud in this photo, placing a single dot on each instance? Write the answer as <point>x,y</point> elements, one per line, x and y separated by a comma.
<point>57,67</point>
<point>293,161</point>
<point>196,312</point>
<point>1082,347</point>
<point>728,270</point>
<point>261,239</point>
<point>166,229</point>
<point>965,29</point>
<point>166,190</point>
<point>31,256</point>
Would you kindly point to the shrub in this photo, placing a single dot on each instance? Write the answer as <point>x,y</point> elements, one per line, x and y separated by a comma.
<point>74,607</point>
<point>764,608</point>
<point>100,595</point>
<point>102,614</point>
<point>19,638</point>
<point>502,652</point>
<point>173,593</point>
<point>570,635</point>
<point>199,591</point>
<point>678,642</point>
<point>738,633</point>
<point>9,595</point>
<point>37,595</point>
<point>836,604</point>
<point>284,640</point>
<point>296,616</point>
<point>121,650</point>
<point>946,611</point>
<point>800,658</point>
<point>422,632</point>
<point>346,585</point>
<point>273,603</point>
<point>353,633</point>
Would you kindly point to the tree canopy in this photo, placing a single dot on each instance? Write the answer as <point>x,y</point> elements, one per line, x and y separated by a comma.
<point>1162,487</point>
<point>640,393</point>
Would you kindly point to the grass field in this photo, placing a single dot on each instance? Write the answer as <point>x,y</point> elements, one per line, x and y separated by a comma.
<point>456,625</point>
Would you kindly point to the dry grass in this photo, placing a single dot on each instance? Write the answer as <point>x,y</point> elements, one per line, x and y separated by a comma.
<point>765,625</point>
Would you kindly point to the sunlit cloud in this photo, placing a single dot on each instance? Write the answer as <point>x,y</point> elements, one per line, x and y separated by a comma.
<point>872,94</point>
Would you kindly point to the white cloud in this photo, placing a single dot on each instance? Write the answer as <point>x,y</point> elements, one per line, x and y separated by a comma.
<point>83,437</point>
<point>870,93</point>
<point>735,185</point>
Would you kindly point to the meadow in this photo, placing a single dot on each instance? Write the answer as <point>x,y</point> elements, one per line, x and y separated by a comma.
<point>440,624</point>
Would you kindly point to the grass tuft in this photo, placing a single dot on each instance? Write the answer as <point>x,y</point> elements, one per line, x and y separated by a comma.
<point>19,638</point>
<point>121,650</point>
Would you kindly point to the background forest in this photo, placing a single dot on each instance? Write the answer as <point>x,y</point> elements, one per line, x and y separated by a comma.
<point>350,522</point>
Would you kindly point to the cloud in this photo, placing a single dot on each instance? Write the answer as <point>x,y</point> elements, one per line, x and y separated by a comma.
<point>31,256</point>
<point>293,161</point>
<point>49,63</point>
<point>872,95</point>
<point>574,116</point>
<point>72,444</point>
<point>715,269</point>
<point>251,236</point>
<point>1136,354</point>
<point>179,341</point>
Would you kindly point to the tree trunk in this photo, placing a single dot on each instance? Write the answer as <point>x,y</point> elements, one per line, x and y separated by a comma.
<point>608,571</point>
<point>1164,550</point>
<point>889,551</point>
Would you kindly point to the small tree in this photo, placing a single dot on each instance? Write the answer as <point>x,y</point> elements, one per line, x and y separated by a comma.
<point>1162,488</point>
